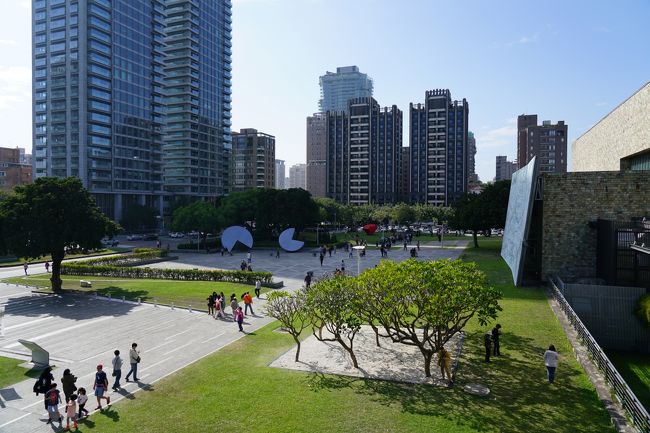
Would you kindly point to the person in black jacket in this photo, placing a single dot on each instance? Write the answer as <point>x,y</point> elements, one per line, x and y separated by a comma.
<point>44,383</point>
<point>68,384</point>
<point>496,332</point>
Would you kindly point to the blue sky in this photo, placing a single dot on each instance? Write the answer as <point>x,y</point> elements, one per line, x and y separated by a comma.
<point>570,60</point>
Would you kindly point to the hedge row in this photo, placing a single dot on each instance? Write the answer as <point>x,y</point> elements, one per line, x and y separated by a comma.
<point>243,277</point>
<point>139,255</point>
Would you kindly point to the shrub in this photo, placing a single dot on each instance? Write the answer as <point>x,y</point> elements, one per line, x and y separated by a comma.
<point>139,255</point>
<point>643,309</point>
<point>213,244</point>
<point>243,277</point>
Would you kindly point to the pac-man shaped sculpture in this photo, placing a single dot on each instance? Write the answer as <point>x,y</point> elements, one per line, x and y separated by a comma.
<point>234,234</point>
<point>287,242</point>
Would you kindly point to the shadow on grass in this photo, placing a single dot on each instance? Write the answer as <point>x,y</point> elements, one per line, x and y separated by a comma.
<point>520,400</point>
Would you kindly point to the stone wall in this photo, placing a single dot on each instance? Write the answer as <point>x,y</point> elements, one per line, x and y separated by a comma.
<point>623,132</point>
<point>571,200</point>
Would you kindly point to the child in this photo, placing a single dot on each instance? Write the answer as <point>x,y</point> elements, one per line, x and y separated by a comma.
<point>71,412</point>
<point>82,398</point>
<point>239,317</point>
<point>53,398</point>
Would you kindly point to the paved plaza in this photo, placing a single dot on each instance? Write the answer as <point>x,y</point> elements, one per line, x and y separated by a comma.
<point>82,331</point>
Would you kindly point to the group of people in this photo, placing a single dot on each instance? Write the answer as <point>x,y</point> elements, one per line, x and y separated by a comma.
<point>217,305</point>
<point>491,340</point>
<point>76,398</point>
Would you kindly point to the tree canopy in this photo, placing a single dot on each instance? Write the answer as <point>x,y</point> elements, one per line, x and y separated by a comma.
<point>482,211</point>
<point>51,216</point>
<point>200,215</point>
<point>425,303</point>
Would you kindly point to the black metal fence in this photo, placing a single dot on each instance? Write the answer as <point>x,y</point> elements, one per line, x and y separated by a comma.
<point>618,263</point>
<point>635,410</point>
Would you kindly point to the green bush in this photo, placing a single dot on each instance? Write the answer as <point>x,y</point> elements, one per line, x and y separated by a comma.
<point>643,309</point>
<point>139,255</point>
<point>243,277</point>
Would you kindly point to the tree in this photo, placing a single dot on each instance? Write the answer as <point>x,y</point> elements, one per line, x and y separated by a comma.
<point>200,215</point>
<point>51,216</point>
<point>139,217</point>
<point>424,304</point>
<point>332,305</point>
<point>482,211</point>
<point>642,309</point>
<point>403,213</point>
<point>290,310</point>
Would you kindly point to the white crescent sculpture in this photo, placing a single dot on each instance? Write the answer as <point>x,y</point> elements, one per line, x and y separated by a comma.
<point>234,234</point>
<point>288,243</point>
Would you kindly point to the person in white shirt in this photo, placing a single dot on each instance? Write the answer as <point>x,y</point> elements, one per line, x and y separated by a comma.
<point>134,359</point>
<point>117,370</point>
<point>550,360</point>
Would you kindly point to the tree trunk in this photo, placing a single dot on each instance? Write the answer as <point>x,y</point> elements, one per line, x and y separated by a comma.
<point>57,258</point>
<point>374,328</point>
<point>427,363</point>
<point>297,348</point>
<point>350,350</point>
<point>475,239</point>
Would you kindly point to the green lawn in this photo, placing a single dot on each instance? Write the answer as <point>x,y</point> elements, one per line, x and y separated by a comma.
<point>235,390</point>
<point>181,293</point>
<point>635,369</point>
<point>5,264</point>
<point>11,372</point>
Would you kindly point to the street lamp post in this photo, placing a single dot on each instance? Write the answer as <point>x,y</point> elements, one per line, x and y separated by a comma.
<point>359,248</point>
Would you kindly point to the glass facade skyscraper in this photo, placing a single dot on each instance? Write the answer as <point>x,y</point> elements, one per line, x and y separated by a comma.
<point>338,88</point>
<point>101,88</point>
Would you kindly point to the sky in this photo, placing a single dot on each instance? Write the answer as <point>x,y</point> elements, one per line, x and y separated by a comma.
<point>573,61</point>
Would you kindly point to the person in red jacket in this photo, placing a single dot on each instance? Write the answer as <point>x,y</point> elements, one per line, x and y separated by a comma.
<point>248,303</point>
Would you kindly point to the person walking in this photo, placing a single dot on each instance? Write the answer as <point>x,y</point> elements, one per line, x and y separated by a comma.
<point>444,361</point>
<point>417,245</point>
<point>350,253</point>
<point>248,303</point>
<point>100,386</point>
<point>487,341</point>
<point>217,308</point>
<point>44,384</point>
<point>343,266</point>
<point>258,288</point>
<point>71,412</point>
<point>249,257</point>
<point>68,384</point>
<point>210,300</point>
<point>47,266</point>
<point>222,299</point>
<point>52,401</point>
<point>321,257</point>
<point>277,253</point>
<point>239,317</point>
<point>117,370</point>
<point>496,332</point>
<point>550,360</point>
<point>134,360</point>
<point>25,266</point>
<point>308,280</point>
<point>82,399</point>
<point>234,305</point>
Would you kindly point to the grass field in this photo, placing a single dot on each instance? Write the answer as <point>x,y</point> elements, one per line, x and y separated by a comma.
<point>181,293</point>
<point>235,390</point>
<point>635,369</point>
<point>11,372</point>
<point>5,264</point>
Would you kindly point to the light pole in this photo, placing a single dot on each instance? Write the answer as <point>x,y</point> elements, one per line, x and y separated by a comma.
<point>359,248</point>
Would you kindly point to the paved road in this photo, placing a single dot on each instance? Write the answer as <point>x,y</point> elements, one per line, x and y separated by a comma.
<point>81,331</point>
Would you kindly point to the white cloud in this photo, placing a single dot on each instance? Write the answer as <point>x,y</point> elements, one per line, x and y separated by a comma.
<point>524,40</point>
<point>505,135</point>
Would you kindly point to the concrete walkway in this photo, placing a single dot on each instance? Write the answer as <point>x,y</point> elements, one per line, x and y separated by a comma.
<point>83,331</point>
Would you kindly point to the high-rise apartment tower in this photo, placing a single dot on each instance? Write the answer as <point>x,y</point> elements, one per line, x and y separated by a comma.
<point>337,88</point>
<point>546,141</point>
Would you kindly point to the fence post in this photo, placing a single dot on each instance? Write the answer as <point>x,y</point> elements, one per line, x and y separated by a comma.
<point>189,308</point>
<point>155,302</point>
<point>172,305</point>
<point>139,301</point>
<point>123,299</point>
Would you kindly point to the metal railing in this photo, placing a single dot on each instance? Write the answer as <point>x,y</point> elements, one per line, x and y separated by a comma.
<point>635,410</point>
